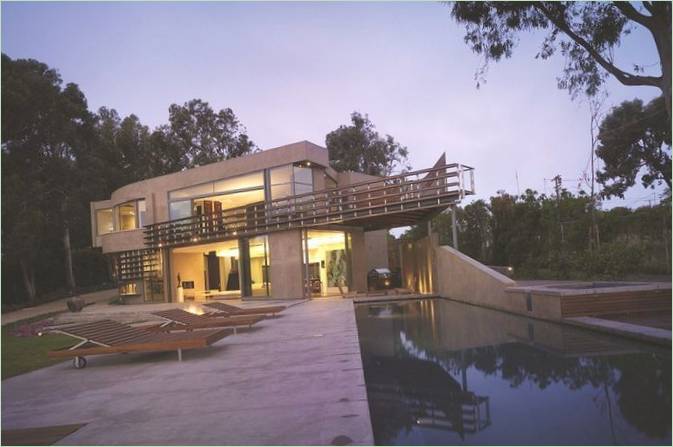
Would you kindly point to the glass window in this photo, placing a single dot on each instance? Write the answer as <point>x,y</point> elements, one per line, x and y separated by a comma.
<point>104,221</point>
<point>180,209</point>
<point>303,175</point>
<point>239,198</point>
<point>279,191</point>
<point>248,181</point>
<point>300,188</point>
<point>127,216</point>
<point>282,174</point>
<point>192,191</point>
<point>142,209</point>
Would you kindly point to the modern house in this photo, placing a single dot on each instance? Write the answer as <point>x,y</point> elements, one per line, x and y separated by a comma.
<point>278,223</point>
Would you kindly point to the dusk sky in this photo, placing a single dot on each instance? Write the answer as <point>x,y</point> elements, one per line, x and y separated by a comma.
<point>295,71</point>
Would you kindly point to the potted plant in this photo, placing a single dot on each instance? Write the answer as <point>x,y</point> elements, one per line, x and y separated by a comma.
<point>336,270</point>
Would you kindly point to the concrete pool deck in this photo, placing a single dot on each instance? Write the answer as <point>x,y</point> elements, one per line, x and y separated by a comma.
<point>296,379</point>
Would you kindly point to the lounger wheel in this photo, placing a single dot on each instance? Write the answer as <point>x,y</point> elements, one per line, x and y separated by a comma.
<point>79,362</point>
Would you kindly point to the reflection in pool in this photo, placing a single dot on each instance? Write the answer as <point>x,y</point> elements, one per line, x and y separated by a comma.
<point>441,372</point>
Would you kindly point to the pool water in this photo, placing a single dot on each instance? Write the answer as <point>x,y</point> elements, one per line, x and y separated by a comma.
<point>442,372</point>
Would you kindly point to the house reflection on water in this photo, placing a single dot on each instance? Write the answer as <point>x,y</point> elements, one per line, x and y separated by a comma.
<point>441,372</point>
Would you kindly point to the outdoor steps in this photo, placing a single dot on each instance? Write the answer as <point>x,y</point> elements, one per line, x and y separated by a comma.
<point>609,302</point>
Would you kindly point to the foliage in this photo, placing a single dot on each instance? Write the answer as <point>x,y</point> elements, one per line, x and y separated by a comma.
<point>586,33</point>
<point>204,136</point>
<point>41,145</point>
<point>57,156</point>
<point>360,148</point>
<point>542,237</point>
<point>633,137</point>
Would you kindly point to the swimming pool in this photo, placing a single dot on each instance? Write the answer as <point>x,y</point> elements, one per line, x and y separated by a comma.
<point>442,372</point>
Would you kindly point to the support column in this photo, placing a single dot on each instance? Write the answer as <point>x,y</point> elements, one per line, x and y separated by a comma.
<point>358,262</point>
<point>166,272</point>
<point>454,229</point>
<point>244,267</point>
<point>286,270</point>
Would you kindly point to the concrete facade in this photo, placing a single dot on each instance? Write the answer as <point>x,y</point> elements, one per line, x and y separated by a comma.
<point>155,190</point>
<point>358,262</point>
<point>376,249</point>
<point>286,270</point>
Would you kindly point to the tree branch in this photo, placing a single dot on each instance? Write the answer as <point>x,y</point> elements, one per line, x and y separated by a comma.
<point>632,13</point>
<point>648,6</point>
<point>622,76</point>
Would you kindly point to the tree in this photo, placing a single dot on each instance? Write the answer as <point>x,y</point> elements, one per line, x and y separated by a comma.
<point>585,32</point>
<point>205,136</point>
<point>40,127</point>
<point>634,136</point>
<point>360,148</point>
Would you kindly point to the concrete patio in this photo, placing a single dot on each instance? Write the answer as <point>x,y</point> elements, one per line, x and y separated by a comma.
<point>296,379</point>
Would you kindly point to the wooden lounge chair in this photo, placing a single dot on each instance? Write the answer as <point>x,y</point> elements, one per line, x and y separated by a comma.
<point>228,309</point>
<point>110,337</point>
<point>178,319</point>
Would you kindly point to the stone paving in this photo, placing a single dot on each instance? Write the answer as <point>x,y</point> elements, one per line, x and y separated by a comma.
<point>101,296</point>
<point>296,379</point>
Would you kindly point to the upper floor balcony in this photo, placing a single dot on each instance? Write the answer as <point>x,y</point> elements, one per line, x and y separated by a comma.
<point>388,202</point>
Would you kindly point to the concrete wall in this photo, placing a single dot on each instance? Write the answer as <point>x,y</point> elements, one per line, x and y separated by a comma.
<point>122,241</point>
<point>462,278</point>
<point>376,246</point>
<point>286,264</point>
<point>358,261</point>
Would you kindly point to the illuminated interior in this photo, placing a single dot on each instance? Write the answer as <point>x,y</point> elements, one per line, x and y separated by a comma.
<point>104,221</point>
<point>214,270</point>
<point>213,204</point>
<point>216,196</point>
<point>328,265</point>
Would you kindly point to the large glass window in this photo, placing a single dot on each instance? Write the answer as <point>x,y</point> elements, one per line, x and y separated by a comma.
<point>328,263</point>
<point>192,191</point>
<point>104,221</point>
<point>217,196</point>
<point>303,175</point>
<point>248,181</point>
<point>126,215</point>
<point>142,210</point>
<point>259,266</point>
<point>281,174</point>
<point>241,182</point>
<point>290,180</point>
<point>180,209</point>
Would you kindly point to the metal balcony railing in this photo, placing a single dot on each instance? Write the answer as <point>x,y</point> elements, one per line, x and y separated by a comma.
<point>425,189</point>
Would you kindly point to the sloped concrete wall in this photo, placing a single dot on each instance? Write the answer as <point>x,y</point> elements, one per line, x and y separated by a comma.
<point>462,278</point>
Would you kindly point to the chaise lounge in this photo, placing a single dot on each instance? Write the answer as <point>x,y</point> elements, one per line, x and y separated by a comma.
<point>111,337</point>
<point>228,309</point>
<point>178,319</point>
